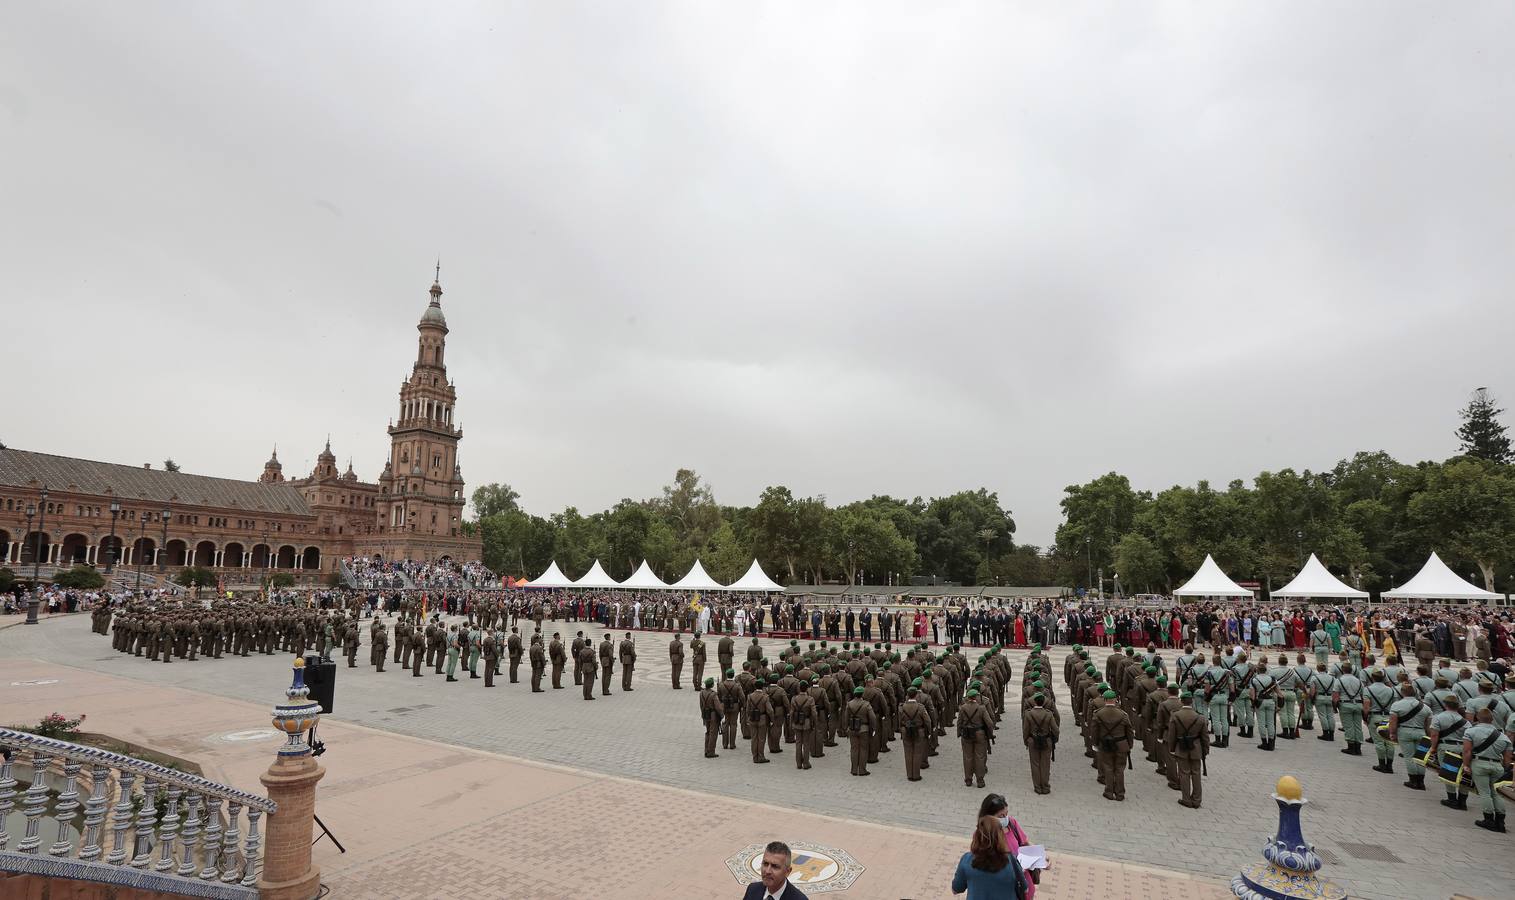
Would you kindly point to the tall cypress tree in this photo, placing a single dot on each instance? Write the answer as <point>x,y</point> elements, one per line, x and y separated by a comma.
<point>1482,434</point>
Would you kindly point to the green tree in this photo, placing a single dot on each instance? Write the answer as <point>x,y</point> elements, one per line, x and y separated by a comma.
<point>775,529</point>
<point>691,509</point>
<point>516,543</point>
<point>170,466</point>
<point>863,542</point>
<point>1138,562</point>
<point>1481,433</point>
<point>198,577</point>
<point>961,531</point>
<point>493,499</point>
<point>728,556</point>
<point>7,580</point>
<point>80,577</point>
<point>625,528</point>
<point>281,580</point>
<point>1468,508</point>
<point>1095,515</point>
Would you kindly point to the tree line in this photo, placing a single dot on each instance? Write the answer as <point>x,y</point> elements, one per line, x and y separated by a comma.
<point>965,537</point>
<point>1371,519</point>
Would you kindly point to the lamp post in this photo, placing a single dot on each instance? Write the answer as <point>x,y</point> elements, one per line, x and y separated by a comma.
<point>1299,540</point>
<point>162,556</point>
<point>1089,552</point>
<point>141,530</point>
<point>33,599</point>
<point>110,557</point>
<point>267,552</point>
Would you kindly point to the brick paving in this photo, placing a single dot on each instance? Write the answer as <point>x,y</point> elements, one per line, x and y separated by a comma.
<point>653,736</point>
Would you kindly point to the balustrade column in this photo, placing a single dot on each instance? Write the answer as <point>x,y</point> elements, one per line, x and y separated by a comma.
<point>191,836</point>
<point>36,804</point>
<point>254,845</point>
<point>121,820</point>
<point>229,841</point>
<point>94,813</point>
<point>212,844</point>
<point>68,801</point>
<point>168,830</point>
<point>147,816</point>
<point>7,798</point>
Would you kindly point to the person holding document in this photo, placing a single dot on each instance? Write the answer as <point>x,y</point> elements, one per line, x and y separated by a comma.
<point>989,870</point>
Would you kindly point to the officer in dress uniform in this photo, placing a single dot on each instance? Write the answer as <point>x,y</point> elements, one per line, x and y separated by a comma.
<point>628,652</point>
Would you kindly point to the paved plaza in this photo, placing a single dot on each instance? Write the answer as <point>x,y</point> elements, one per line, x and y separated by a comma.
<point>1379,839</point>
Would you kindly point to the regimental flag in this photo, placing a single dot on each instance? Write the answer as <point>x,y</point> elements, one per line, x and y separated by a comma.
<point>695,604</point>
<point>423,605</point>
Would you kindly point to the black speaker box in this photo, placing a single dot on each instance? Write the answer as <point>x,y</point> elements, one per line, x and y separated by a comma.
<point>321,678</point>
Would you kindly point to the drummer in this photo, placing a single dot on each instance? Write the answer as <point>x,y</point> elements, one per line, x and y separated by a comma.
<point>1447,726</point>
<point>1486,754</point>
<point>1407,725</point>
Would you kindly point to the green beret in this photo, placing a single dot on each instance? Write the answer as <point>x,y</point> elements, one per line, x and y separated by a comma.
<point>730,673</point>
<point>763,660</point>
<point>709,682</point>
<point>1150,669</point>
<point>812,645</point>
<point>888,646</point>
<point>1103,686</point>
<point>789,668</point>
<point>973,693</point>
<point>846,644</point>
<point>1038,683</point>
<point>823,643</point>
<point>1117,648</point>
<point>857,692</point>
<point>975,683</point>
<point>794,643</point>
<point>912,690</point>
<point>1109,695</point>
<point>1162,679</point>
<point>1039,697</point>
<point>1090,670</point>
<point>877,645</point>
<point>884,666</point>
<point>1083,654</point>
<point>1187,695</point>
<point>915,682</point>
<point>1077,647</point>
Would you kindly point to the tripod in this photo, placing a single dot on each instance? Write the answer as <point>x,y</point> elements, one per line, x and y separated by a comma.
<point>326,832</point>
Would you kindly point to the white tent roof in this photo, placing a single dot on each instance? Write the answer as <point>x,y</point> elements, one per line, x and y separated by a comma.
<point>596,577</point>
<point>1210,581</point>
<point>1435,581</point>
<point>1314,581</point>
<point>552,578</point>
<point>755,580</point>
<point>697,580</point>
<point>644,578</point>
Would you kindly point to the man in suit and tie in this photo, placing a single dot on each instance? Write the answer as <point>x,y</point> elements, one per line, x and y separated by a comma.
<point>775,874</point>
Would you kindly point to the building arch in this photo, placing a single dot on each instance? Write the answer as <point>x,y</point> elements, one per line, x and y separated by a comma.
<point>5,546</point>
<point>233,555</point>
<point>31,550</point>
<point>75,550</point>
<point>142,551</point>
<point>311,559</point>
<point>205,554</point>
<point>286,558</point>
<point>111,548</point>
<point>176,552</point>
<point>262,556</point>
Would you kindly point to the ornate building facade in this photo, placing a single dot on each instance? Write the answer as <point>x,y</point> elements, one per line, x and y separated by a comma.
<point>302,525</point>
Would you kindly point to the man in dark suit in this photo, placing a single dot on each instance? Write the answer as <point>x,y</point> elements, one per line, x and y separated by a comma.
<point>775,872</point>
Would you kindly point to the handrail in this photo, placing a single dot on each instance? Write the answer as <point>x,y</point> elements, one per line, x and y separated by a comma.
<point>23,740</point>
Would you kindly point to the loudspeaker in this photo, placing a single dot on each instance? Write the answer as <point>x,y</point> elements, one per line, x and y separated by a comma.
<point>321,678</point>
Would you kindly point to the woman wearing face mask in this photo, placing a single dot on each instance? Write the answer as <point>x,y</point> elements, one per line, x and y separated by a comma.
<point>996,807</point>
<point>989,870</point>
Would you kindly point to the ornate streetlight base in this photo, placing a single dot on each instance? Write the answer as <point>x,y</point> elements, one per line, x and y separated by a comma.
<point>1290,861</point>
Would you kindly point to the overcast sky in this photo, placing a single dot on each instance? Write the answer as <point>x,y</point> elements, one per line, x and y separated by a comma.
<point>853,249</point>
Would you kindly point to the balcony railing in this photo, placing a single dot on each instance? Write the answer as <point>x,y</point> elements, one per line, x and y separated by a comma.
<point>195,848</point>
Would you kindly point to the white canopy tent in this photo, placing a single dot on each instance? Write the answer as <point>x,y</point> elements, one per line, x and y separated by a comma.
<point>644,579</point>
<point>596,577</point>
<point>1210,581</point>
<point>1314,581</point>
<point>755,580</point>
<point>552,578</point>
<point>697,580</point>
<point>1435,581</point>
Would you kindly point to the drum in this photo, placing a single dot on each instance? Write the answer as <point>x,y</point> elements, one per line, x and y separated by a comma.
<point>1451,762</point>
